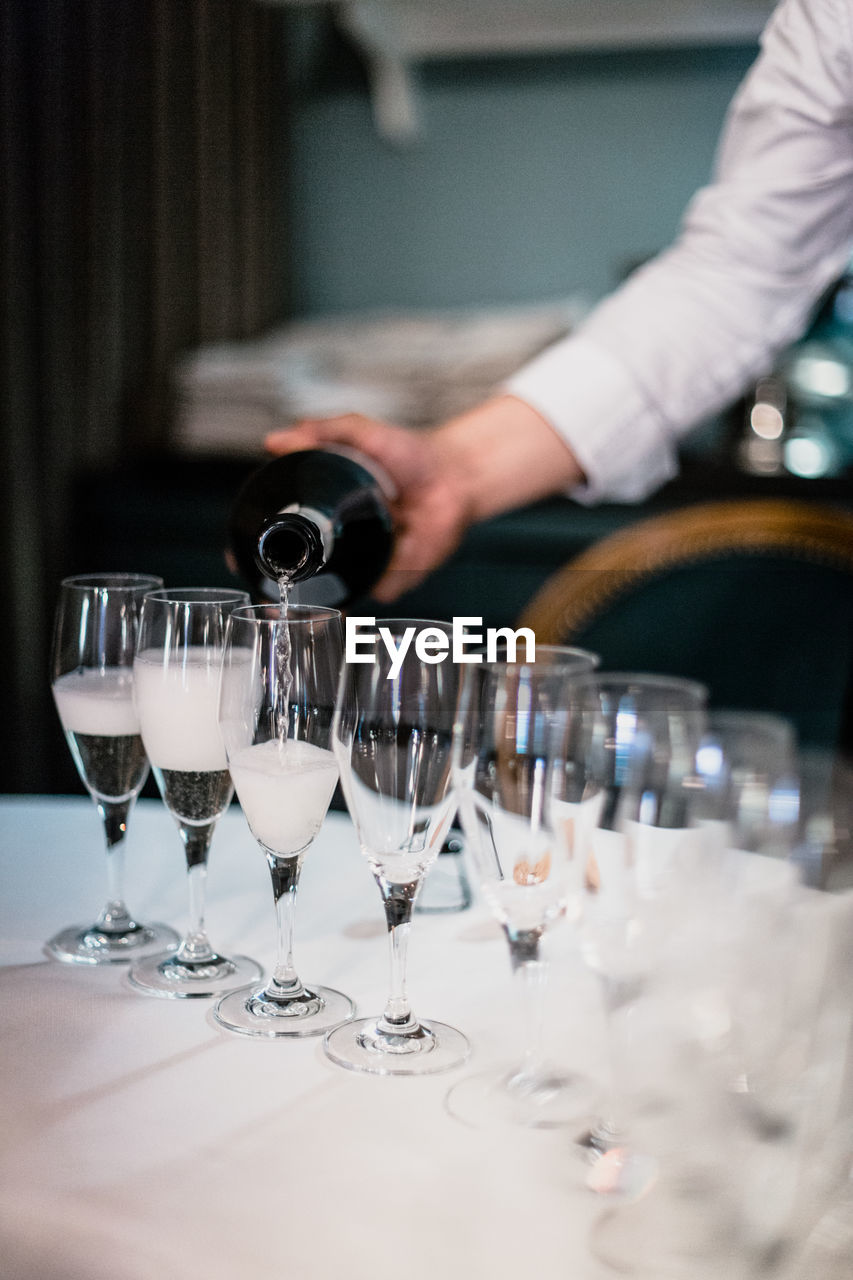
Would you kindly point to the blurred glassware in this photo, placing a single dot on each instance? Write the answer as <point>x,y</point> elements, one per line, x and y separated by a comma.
<point>765,1114</point>
<point>796,1151</point>
<point>747,807</point>
<point>524,825</point>
<point>781,1019</point>
<point>635,740</point>
<point>799,418</point>
<point>747,768</point>
<point>94,638</point>
<point>824,853</point>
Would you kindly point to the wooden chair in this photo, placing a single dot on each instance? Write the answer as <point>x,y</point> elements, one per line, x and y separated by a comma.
<point>754,598</point>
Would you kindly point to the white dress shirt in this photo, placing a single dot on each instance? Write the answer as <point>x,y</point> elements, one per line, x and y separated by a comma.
<point>689,331</point>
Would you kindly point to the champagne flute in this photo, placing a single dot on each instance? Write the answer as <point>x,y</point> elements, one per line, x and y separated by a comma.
<point>92,683</point>
<point>748,806</point>
<point>392,735</point>
<point>176,688</point>
<point>747,767</point>
<point>277,695</point>
<point>635,740</point>
<point>523,823</point>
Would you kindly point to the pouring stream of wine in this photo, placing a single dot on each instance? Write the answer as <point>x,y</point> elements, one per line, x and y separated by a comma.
<point>284,676</point>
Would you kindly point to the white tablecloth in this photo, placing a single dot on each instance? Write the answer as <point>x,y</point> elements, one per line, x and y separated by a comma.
<point>138,1140</point>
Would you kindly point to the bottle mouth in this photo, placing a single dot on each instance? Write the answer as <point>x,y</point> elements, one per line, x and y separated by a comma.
<point>290,547</point>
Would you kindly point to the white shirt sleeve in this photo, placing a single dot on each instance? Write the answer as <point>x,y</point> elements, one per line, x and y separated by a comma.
<point>686,334</point>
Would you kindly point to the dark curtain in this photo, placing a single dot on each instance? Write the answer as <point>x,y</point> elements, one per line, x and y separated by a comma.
<point>142,161</point>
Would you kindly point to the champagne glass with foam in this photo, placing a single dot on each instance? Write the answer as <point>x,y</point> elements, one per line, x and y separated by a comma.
<point>176,689</point>
<point>277,697</point>
<point>92,682</point>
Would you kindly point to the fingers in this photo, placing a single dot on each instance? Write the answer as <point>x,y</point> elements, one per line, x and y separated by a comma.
<point>289,439</point>
<point>406,455</point>
<point>429,534</point>
<point>305,435</point>
<point>345,428</point>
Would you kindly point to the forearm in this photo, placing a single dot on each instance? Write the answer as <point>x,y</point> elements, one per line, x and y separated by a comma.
<point>502,455</point>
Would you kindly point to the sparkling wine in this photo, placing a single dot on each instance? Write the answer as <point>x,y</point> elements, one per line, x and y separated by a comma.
<point>96,709</point>
<point>178,703</point>
<point>112,766</point>
<point>195,795</point>
<point>283,653</point>
<point>178,713</point>
<point>284,789</point>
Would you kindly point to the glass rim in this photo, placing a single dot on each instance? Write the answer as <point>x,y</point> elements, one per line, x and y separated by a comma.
<point>197,595</point>
<point>113,581</point>
<point>256,613</point>
<point>396,624</point>
<point>773,723</point>
<point>565,656</point>
<point>647,679</point>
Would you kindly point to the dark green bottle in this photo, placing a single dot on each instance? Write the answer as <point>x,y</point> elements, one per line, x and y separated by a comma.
<point>317,519</point>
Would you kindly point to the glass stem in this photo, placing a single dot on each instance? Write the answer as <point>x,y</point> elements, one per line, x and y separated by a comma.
<point>399,901</point>
<point>529,971</point>
<point>284,873</point>
<point>115,917</point>
<point>615,995</point>
<point>196,948</point>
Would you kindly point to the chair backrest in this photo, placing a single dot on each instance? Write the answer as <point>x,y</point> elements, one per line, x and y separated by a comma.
<point>754,598</point>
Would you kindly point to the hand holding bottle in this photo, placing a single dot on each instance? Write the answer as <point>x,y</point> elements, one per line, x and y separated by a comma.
<point>498,456</point>
<point>429,514</point>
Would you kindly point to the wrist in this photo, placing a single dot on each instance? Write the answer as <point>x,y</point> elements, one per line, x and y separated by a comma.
<point>502,455</point>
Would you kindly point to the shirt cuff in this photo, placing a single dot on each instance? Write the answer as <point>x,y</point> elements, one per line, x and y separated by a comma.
<point>592,401</point>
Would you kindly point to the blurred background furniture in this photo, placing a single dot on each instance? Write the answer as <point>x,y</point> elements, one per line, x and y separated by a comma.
<point>753,597</point>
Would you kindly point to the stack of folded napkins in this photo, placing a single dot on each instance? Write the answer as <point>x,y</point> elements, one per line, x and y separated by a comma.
<point>414,368</point>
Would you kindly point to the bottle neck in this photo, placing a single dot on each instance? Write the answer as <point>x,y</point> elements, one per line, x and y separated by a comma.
<point>295,544</point>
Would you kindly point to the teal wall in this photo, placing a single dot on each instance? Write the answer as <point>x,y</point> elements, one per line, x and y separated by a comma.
<point>534,178</point>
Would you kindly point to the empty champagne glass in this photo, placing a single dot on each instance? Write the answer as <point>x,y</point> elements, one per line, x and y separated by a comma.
<point>635,741</point>
<point>748,806</point>
<point>523,822</point>
<point>392,735</point>
<point>277,696</point>
<point>176,688</point>
<point>92,681</point>
<point>747,767</point>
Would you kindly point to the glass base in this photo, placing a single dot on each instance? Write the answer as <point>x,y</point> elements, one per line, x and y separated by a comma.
<point>673,1234</point>
<point>616,1169</point>
<point>546,1100</point>
<point>428,1048</point>
<point>251,1012</point>
<point>81,944</point>
<point>172,979</point>
<point>622,1174</point>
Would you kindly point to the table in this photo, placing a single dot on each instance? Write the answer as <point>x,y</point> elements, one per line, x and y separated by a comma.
<point>140,1140</point>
